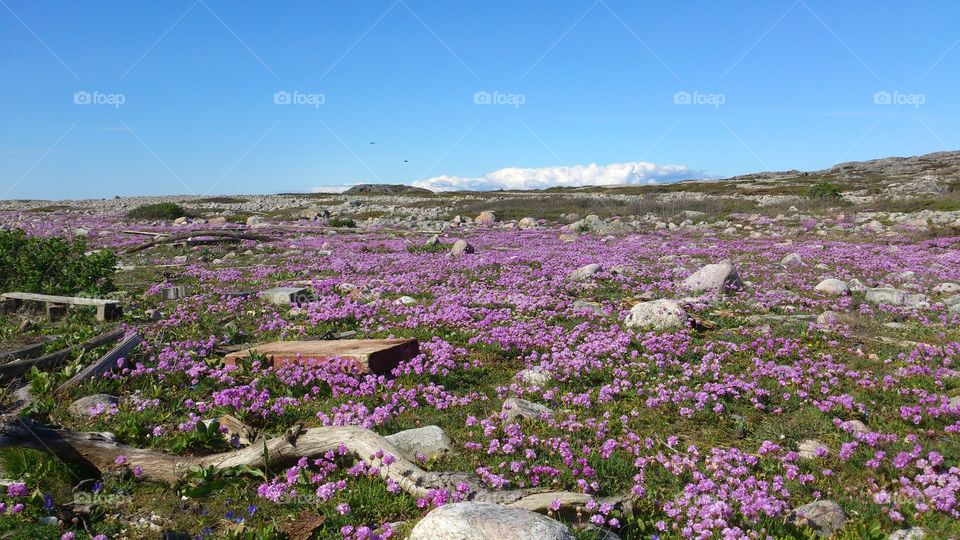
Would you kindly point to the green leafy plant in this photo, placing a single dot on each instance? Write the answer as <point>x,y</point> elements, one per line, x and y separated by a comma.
<point>202,481</point>
<point>342,222</point>
<point>165,210</point>
<point>53,265</point>
<point>825,190</point>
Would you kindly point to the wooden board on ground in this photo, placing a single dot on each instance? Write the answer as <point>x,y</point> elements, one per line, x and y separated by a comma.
<point>106,309</point>
<point>371,355</point>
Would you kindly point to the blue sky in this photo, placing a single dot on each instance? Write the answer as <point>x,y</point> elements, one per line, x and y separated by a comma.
<point>123,98</point>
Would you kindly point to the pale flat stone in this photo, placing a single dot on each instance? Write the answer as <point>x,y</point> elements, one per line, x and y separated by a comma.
<point>487,521</point>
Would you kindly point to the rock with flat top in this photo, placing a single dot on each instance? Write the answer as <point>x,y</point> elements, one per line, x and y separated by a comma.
<point>824,517</point>
<point>430,442</point>
<point>833,286</point>
<point>487,521</point>
<point>516,408</point>
<point>584,273</point>
<point>460,248</point>
<point>663,314</point>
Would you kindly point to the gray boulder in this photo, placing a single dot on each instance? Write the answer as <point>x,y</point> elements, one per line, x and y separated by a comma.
<point>663,314</point>
<point>516,408</point>
<point>832,286</point>
<point>487,521</point>
<point>792,259</point>
<point>719,278</point>
<point>824,517</point>
<point>809,448</point>
<point>460,248</point>
<point>947,288</point>
<point>584,273</point>
<point>893,297</point>
<point>430,441</point>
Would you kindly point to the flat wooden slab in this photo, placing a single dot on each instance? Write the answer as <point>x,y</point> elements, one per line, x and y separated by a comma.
<point>371,355</point>
<point>71,300</point>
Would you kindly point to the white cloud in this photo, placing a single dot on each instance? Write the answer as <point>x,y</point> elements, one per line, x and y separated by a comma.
<point>338,188</point>
<point>615,174</point>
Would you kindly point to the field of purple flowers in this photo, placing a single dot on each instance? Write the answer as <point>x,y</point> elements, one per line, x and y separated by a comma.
<point>715,416</point>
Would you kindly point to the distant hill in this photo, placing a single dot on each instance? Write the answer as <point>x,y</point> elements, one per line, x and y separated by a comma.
<point>386,189</point>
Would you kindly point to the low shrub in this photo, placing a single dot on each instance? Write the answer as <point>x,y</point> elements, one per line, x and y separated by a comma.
<point>53,265</point>
<point>165,210</point>
<point>825,190</point>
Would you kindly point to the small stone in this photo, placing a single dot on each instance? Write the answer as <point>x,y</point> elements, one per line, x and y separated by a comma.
<point>535,377</point>
<point>527,223</point>
<point>913,533</point>
<point>254,220</point>
<point>82,406</point>
<point>516,408</point>
<point>286,295</point>
<point>832,286</point>
<point>828,318</point>
<point>810,448</point>
<point>855,425</point>
<point>824,517</point>
<point>217,220</point>
<point>586,305</point>
<point>406,300</point>
<point>431,442</point>
<point>663,314</point>
<point>432,241</point>
<point>181,220</point>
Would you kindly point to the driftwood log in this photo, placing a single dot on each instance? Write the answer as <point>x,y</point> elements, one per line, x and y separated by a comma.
<point>15,369</point>
<point>216,233</point>
<point>101,453</point>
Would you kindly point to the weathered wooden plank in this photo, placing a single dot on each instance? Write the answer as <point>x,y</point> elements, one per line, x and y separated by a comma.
<point>17,368</point>
<point>104,364</point>
<point>22,353</point>
<point>54,299</point>
<point>371,355</point>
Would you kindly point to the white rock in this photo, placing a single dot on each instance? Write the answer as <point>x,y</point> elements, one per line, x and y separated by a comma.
<point>516,408</point>
<point>792,259</point>
<point>461,247</point>
<point>947,288</point>
<point>890,296</point>
<point>856,426</point>
<point>828,318</point>
<point>663,314</point>
<point>535,376</point>
<point>832,286</point>
<point>406,300</point>
<point>254,220</point>
<point>286,295</point>
<point>719,278</point>
<point>82,406</point>
<point>527,223</point>
<point>584,273</point>
<point>913,533</point>
<point>857,286</point>
<point>429,441</point>
<point>809,448</point>
<point>487,521</point>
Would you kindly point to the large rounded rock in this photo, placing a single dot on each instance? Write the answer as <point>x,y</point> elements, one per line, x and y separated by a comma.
<point>893,297</point>
<point>97,402</point>
<point>824,517</point>
<point>487,521</point>
<point>461,247</point>
<point>429,441</point>
<point>663,314</point>
<point>486,218</point>
<point>527,223</point>
<point>719,278</point>
<point>792,259</point>
<point>832,286</point>
<point>584,273</point>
